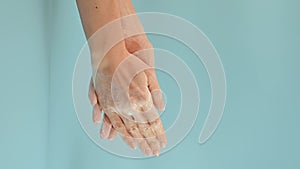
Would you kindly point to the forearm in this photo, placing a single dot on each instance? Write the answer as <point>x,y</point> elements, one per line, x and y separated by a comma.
<point>95,14</point>
<point>126,7</point>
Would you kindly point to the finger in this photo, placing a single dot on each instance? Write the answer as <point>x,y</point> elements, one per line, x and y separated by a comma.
<point>157,127</point>
<point>92,94</point>
<point>133,130</point>
<point>119,126</point>
<point>140,100</point>
<point>150,115</point>
<point>147,55</point>
<point>149,135</point>
<point>106,128</point>
<point>158,100</point>
<point>97,114</point>
<point>139,96</point>
<point>156,124</point>
<point>155,90</point>
<point>113,134</point>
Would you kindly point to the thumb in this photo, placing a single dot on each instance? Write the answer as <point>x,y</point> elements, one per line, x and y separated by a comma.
<point>155,90</point>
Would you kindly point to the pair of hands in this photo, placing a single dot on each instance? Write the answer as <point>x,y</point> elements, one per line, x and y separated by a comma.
<point>127,90</point>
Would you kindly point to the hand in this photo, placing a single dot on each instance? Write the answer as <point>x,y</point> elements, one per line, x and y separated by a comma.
<point>107,130</point>
<point>139,96</point>
<point>150,136</point>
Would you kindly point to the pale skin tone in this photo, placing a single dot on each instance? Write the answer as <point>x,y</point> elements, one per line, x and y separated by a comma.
<point>149,136</point>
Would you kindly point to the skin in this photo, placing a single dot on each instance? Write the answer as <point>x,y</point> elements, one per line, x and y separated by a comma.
<point>150,136</point>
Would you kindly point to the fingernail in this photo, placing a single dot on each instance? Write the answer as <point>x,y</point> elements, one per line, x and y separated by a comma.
<point>156,153</point>
<point>162,107</point>
<point>148,152</point>
<point>96,122</point>
<point>163,145</point>
<point>133,146</point>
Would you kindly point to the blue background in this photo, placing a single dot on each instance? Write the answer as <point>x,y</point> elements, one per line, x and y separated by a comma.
<point>258,42</point>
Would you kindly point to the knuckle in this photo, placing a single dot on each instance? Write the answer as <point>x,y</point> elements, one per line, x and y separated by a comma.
<point>133,129</point>
<point>147,131</point>
<point>119,126</point>
<point>156,123</point>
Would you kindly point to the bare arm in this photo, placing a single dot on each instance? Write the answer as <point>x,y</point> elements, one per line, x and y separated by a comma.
<point>95,14</point>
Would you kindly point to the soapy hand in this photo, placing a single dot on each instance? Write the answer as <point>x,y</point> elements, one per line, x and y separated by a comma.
<point>126,87</point>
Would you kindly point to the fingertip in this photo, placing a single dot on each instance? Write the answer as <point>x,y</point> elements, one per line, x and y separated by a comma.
<point>161,106</point>
<point>92,94</point>
<point>156,153</point>
<point>133,144</point>
<point>113,134</point>
<point>111,138</point>
<point>163,140</point>
<point>130,142</point>
<point>105,129</point>
<point>97,114</point>
<point>94,100</point>
<point>148,152</point>
<point>158,100</point>
<point>104,133</point>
